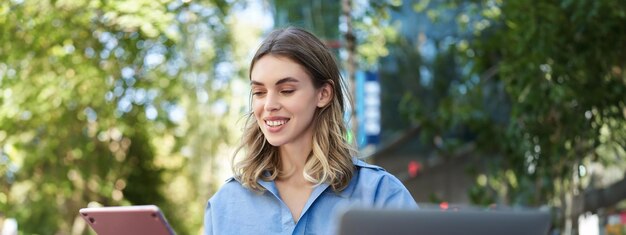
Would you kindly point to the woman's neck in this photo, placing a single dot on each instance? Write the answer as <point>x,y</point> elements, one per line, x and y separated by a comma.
<point>293,158</point>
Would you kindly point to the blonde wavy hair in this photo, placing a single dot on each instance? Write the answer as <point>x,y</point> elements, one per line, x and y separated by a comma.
<point>330,160</point>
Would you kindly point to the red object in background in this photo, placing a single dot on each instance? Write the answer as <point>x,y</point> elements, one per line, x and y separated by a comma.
<point>334,44</point>
<point>414,168</point>
<point>443,205</point>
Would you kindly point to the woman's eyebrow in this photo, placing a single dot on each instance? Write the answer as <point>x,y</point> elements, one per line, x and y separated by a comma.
<point>286,80</point>
<point>253,82</point>
<point>281,81</point>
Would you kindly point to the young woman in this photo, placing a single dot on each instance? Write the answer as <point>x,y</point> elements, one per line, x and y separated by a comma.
<point>298,172</point>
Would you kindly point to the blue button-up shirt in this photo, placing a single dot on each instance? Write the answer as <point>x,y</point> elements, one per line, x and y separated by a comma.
<point>238,210</point>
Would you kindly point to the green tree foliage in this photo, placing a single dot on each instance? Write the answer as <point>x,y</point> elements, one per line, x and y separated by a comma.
<point>543,93</point>
<point>373,30</point>
<point>561,65</point>
<point>320,17</point>
<point>94,104</point>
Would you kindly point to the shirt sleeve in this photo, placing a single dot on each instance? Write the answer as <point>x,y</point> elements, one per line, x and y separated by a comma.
<point>392,194</point>
<point>401,199</point>
<point>208,225</point>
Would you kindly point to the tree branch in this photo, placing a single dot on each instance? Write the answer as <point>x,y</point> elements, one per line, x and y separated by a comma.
<point>594,199</point>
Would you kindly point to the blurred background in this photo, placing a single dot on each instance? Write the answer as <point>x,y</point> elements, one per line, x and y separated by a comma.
<point>482,103</point>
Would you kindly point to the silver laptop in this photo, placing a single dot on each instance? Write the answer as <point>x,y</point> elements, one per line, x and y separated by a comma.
<point>449,222</point>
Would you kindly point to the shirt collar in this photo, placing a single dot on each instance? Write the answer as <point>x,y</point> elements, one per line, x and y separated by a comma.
<point>356,161</point>
<point>271,186</point>
<point>362,164</point>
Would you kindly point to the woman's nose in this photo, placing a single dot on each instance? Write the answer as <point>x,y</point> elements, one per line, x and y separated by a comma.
<point>271,102</point>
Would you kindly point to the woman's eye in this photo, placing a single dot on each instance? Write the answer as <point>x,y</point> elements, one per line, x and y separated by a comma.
<point>287,91</point>
<point>258,93</point>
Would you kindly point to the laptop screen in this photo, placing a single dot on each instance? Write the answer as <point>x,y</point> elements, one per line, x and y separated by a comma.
<point>438,222</point>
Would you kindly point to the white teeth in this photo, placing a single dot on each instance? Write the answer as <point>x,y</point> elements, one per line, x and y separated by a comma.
<point>275,123</point>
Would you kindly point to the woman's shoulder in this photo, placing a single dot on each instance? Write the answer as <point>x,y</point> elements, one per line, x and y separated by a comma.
<point>230,188</point>
<point>369,173</point>
<point>381,187</point>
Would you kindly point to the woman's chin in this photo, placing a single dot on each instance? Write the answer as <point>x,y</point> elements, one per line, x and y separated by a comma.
<point>275,142</point>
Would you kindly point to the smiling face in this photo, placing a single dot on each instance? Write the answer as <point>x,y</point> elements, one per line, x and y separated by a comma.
<point>284,100</point>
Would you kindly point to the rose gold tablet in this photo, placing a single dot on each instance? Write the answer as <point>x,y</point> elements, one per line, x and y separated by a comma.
<point>127,220</point>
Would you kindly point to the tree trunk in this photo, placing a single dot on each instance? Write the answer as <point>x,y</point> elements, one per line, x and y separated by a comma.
<point>346,6</point>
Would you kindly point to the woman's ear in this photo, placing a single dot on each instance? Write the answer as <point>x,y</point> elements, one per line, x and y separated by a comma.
<point>325,95</point>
